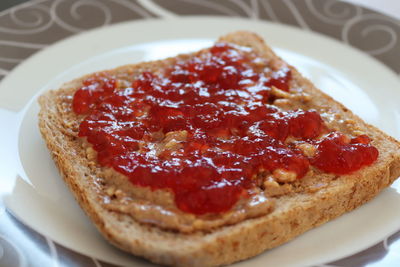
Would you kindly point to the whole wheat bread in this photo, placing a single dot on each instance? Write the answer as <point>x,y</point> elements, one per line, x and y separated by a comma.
<point>293,214</point>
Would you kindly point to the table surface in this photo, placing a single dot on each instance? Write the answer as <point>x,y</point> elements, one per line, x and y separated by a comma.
<point>21,246</point>
<point>389,7</point>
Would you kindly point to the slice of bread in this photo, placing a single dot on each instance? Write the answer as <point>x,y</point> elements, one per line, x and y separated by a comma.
<point>293,214</point>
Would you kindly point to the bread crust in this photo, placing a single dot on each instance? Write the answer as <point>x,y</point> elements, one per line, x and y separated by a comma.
<point>293,214</point>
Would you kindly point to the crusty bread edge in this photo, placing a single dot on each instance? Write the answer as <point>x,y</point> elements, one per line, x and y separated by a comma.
<point>227,244</point>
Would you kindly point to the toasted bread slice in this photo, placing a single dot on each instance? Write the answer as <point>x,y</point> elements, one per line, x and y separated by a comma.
<point>293,214</point>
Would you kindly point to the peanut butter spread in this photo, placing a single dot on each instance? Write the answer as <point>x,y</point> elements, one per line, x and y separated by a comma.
<point>243,123</point>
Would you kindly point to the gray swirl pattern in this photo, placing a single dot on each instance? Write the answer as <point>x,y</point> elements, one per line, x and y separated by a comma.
<point>371,32</point>
<point>376,35</point>
<point>71,16</point>
<point>32,26</point>
<point>28,18</point>
<point>333,12</point>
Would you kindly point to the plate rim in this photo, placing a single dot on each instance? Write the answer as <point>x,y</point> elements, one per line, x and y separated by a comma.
<point>140,43</point>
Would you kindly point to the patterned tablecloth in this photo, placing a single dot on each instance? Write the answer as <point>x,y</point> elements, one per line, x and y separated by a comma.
<point>34,25</point>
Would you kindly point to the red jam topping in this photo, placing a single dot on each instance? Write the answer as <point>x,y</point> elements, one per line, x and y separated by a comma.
<point>218,104</point>
<point>341,155</point>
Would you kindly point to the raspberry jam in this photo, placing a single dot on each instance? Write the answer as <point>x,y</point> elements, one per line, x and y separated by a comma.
<point>205,127</point>
<point>341,155</point>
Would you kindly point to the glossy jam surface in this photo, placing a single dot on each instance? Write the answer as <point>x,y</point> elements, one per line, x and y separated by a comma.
<point>205,127</point>
<point>342,155</point>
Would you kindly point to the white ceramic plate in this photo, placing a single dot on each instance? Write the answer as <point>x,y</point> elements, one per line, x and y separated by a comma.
<point>39,198</point>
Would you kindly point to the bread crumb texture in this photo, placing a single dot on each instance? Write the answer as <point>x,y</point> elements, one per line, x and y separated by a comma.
<point>147,222</point>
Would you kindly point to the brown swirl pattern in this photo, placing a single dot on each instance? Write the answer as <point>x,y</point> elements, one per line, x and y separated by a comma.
<point>333,12</point>
<point>32,26</point>
<point>371,32</point>
<point>376,35</point>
